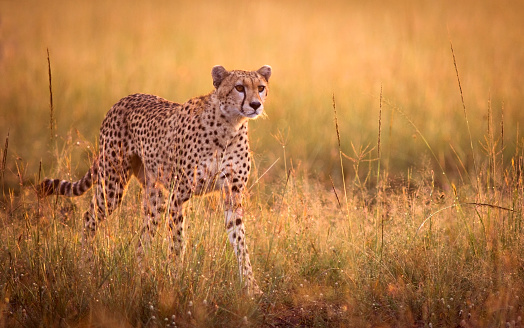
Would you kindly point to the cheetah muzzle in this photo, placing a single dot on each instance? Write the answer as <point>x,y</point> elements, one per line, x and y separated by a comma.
<point>189,149</point>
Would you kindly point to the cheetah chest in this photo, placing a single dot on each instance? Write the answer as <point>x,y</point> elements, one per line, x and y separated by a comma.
<point>217,171</point>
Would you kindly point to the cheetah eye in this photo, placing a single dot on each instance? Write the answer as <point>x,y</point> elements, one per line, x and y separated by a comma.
<point>261,88</point>
<point>240,88</point>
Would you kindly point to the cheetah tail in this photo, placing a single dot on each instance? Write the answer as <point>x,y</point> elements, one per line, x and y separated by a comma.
<point>68,188</point>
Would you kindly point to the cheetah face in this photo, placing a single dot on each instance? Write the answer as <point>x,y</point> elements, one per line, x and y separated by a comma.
<point>241,94</point>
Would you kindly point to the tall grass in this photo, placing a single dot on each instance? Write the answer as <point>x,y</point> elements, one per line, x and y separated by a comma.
<point>461,268</point>
<point>346,48</point>
<point>407,232</point>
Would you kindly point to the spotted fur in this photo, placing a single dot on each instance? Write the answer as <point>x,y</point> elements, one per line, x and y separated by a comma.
<point>187,149</point>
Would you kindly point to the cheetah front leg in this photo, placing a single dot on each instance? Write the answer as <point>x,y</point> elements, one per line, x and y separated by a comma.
<point>236,234</point>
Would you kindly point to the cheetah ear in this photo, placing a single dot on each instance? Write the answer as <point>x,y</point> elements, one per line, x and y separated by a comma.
<point>265,71</point>
<point>218,73</point>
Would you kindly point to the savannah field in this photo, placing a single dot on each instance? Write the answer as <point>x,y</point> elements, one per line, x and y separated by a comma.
<point>387,187</point>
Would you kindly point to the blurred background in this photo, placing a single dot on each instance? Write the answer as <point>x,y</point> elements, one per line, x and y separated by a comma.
<point>357,52</point>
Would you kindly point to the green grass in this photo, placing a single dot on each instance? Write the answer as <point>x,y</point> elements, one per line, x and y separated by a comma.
<point>426,232</point>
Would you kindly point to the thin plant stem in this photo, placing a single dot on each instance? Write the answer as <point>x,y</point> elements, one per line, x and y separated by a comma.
<point>465,115</point>
<point>379,135</point>
<point>423,139</point>
<point>341,162</point>
<point>4,161</point>
<point>379,197</point>
<point>51,106</point>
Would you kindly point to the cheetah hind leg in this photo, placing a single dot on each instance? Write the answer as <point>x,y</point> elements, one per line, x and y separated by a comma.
<point>152,209</point>
<point>176,227</point>
<point>107,197</point>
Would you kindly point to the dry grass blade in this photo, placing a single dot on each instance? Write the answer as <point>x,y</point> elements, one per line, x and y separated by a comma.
<point>426,142</point>
<point>335,191</point>
<point>461,204</point>
<point>465,113</point>
<point>4,161</point>
<point>379,126</point>
<point>502,134</point>
<point>263,174</point>
<point>340,154</point>
<point>51,106</point>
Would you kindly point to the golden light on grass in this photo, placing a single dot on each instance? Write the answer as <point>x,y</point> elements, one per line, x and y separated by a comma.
<point>423,238</point>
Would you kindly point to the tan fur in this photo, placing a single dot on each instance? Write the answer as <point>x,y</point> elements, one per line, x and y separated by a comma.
<point>192,148</point>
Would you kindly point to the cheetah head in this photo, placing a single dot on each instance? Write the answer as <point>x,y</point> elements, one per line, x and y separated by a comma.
<point>241,94</point>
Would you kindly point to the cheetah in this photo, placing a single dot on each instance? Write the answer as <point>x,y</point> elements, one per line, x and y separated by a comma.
<point>188,149</point>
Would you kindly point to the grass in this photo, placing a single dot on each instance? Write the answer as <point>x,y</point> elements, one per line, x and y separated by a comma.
<point>442,260</point>
<point>401,209</point>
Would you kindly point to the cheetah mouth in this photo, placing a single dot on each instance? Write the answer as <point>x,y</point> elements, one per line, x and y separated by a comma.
<point>252,114</point>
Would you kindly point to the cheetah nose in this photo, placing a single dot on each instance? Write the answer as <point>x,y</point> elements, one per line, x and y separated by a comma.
<point>254,104</point>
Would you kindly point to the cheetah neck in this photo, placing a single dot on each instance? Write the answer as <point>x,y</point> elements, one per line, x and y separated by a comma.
<point>232,123</point>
